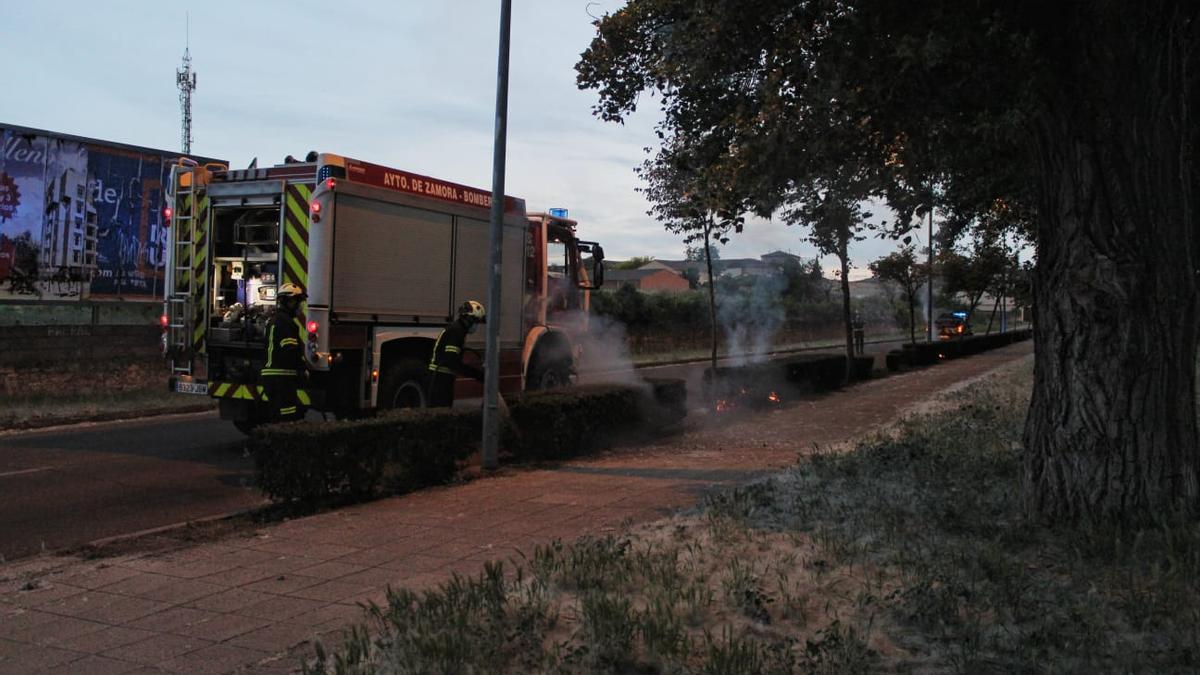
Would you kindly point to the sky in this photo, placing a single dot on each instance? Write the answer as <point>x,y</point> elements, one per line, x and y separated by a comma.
<point>407,84</point>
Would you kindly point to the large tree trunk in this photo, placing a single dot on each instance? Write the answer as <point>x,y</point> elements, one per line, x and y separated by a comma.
<point>1112,432</point>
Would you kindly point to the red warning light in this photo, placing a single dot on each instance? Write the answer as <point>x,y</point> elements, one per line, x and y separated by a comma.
<point>316,207</point>
<point>330,183</point>
<point>163,321</point>
<point>312,327</point>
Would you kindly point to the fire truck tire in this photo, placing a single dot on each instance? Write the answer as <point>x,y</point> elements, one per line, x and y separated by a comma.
<point>403,385</point>
<point>549,374</point>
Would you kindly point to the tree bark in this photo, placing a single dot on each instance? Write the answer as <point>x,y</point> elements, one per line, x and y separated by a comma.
<point>1111,434</point>
<point>912,316</point>
<point>712,297</point>
<point>844,260</point>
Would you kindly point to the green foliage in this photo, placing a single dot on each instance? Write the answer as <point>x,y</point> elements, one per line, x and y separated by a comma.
<point>564,422</point>
<point>407,449</point>
<point>393,451</point>
<point>633,263</point>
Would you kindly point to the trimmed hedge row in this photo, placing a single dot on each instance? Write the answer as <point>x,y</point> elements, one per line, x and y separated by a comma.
<point>394,451</point>
<point>806,372</point>
<point>929,353</point>
<point>403,450</point>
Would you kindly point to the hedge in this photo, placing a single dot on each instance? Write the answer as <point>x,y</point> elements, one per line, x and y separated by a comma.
<point>406,449</point>
<point>929,353</point>
<point>391,452</point>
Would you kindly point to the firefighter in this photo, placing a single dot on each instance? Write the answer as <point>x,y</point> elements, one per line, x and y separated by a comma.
<point>285,366</point>
<point>446,364</point>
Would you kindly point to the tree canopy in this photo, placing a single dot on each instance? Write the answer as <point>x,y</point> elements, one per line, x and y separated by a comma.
<point>1071,122</point>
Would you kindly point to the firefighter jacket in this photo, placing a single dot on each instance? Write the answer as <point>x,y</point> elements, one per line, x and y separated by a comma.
<point>447,353</point>
<point>285,355</point>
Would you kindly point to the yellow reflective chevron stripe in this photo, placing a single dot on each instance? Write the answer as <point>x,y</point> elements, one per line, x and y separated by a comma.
<point>200,267</point>
<point>247,392</point>
<point>295,238</point>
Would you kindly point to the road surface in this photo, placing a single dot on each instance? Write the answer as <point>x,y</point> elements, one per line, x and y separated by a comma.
<point>67,486</point>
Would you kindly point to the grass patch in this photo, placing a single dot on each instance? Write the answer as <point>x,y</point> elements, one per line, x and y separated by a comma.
<point>39,411</point>
<point>908,552</point>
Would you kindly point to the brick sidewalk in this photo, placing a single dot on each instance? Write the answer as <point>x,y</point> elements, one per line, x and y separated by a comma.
<point>253,602</point>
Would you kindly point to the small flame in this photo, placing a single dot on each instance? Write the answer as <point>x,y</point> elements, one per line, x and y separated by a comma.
<point>773,397</point>
<point>724,405</point>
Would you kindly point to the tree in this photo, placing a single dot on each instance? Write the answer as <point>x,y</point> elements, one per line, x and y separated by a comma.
<point>902,269</point>
<point>689,202</point>
<point>697,253</point>
<point>1075,118</point>
<point>633,263</point>
<point>974,273</point>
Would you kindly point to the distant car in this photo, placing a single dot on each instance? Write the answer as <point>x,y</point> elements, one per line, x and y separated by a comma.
<point>952,326</point>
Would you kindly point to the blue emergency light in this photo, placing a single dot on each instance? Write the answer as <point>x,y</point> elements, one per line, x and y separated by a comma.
<point>558,213</point>
<point>961,315</point>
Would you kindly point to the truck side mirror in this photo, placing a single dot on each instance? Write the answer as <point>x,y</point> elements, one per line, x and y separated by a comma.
<point>591,272</point>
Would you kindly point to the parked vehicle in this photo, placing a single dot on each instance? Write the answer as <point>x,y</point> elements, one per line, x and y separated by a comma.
<point>385,257</point>
<point>952,326</point>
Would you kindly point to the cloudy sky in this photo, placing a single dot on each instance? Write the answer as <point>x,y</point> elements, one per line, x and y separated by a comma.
<point>402,83</point>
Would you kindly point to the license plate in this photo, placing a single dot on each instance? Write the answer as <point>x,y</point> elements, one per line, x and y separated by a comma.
<point>191,387</point>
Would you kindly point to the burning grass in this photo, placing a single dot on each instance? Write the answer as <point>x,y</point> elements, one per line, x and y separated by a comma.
<point>907,552</point>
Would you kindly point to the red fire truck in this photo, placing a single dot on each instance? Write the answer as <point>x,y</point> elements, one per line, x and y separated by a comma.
<point>385,257</point>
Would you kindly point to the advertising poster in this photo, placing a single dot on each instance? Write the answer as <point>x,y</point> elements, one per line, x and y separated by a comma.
<point>80,219</point>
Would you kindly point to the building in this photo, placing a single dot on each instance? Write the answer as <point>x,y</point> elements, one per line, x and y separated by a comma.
<point>653,279</point>
<point>70,234</point>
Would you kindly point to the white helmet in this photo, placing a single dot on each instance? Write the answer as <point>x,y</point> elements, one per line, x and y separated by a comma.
<point>290,290</point>
<point>474,310</point>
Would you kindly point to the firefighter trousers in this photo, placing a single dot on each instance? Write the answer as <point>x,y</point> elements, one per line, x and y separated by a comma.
<point>440,392</point>
<point>282,399</point>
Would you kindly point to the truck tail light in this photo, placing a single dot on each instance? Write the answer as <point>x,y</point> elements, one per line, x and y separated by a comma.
<point>330,183</point>
<point>313,326</point>
<point>315,209</point>
<point>167,213</point>
<point>163,321</point>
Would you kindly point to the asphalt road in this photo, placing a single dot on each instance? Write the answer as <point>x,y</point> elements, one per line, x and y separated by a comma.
<point>67,486</point>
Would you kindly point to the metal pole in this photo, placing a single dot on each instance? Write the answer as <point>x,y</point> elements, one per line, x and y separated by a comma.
<point>491,377</point>
<point>929,306</point>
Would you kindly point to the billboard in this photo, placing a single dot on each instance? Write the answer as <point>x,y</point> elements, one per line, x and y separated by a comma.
<point>80,218</point>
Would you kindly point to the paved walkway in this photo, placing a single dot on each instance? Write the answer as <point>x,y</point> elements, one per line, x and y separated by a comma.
<point>252,603</point>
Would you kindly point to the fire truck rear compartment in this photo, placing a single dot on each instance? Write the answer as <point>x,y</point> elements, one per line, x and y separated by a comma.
<point>244,276</point>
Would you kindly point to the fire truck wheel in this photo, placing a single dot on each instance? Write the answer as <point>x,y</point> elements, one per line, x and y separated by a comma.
<point>549,374</point>
<point>403,385</point>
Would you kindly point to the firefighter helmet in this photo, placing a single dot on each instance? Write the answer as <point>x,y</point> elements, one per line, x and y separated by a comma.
<point>474,310</point>
<point>290,290</point>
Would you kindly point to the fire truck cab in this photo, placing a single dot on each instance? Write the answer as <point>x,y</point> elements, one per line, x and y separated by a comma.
<point>385,256</point>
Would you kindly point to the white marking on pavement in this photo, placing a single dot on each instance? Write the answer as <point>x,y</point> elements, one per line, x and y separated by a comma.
<point>25,471</point>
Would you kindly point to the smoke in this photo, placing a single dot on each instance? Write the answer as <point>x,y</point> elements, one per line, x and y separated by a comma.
<point>604,357</point>
<point>750,319</point>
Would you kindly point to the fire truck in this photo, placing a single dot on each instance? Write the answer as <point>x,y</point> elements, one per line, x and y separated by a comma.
<point>385,256</point>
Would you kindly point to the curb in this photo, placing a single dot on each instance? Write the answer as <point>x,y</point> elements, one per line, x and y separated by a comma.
<point>73,420</point>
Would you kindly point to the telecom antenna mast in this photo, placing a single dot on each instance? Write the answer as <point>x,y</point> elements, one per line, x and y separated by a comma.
<point>185,79</point>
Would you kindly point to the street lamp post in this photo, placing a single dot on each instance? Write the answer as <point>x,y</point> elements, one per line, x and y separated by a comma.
<point>491,367</point>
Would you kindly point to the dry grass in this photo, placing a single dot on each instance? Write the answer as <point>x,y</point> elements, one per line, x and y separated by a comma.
<point>906,553</point>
